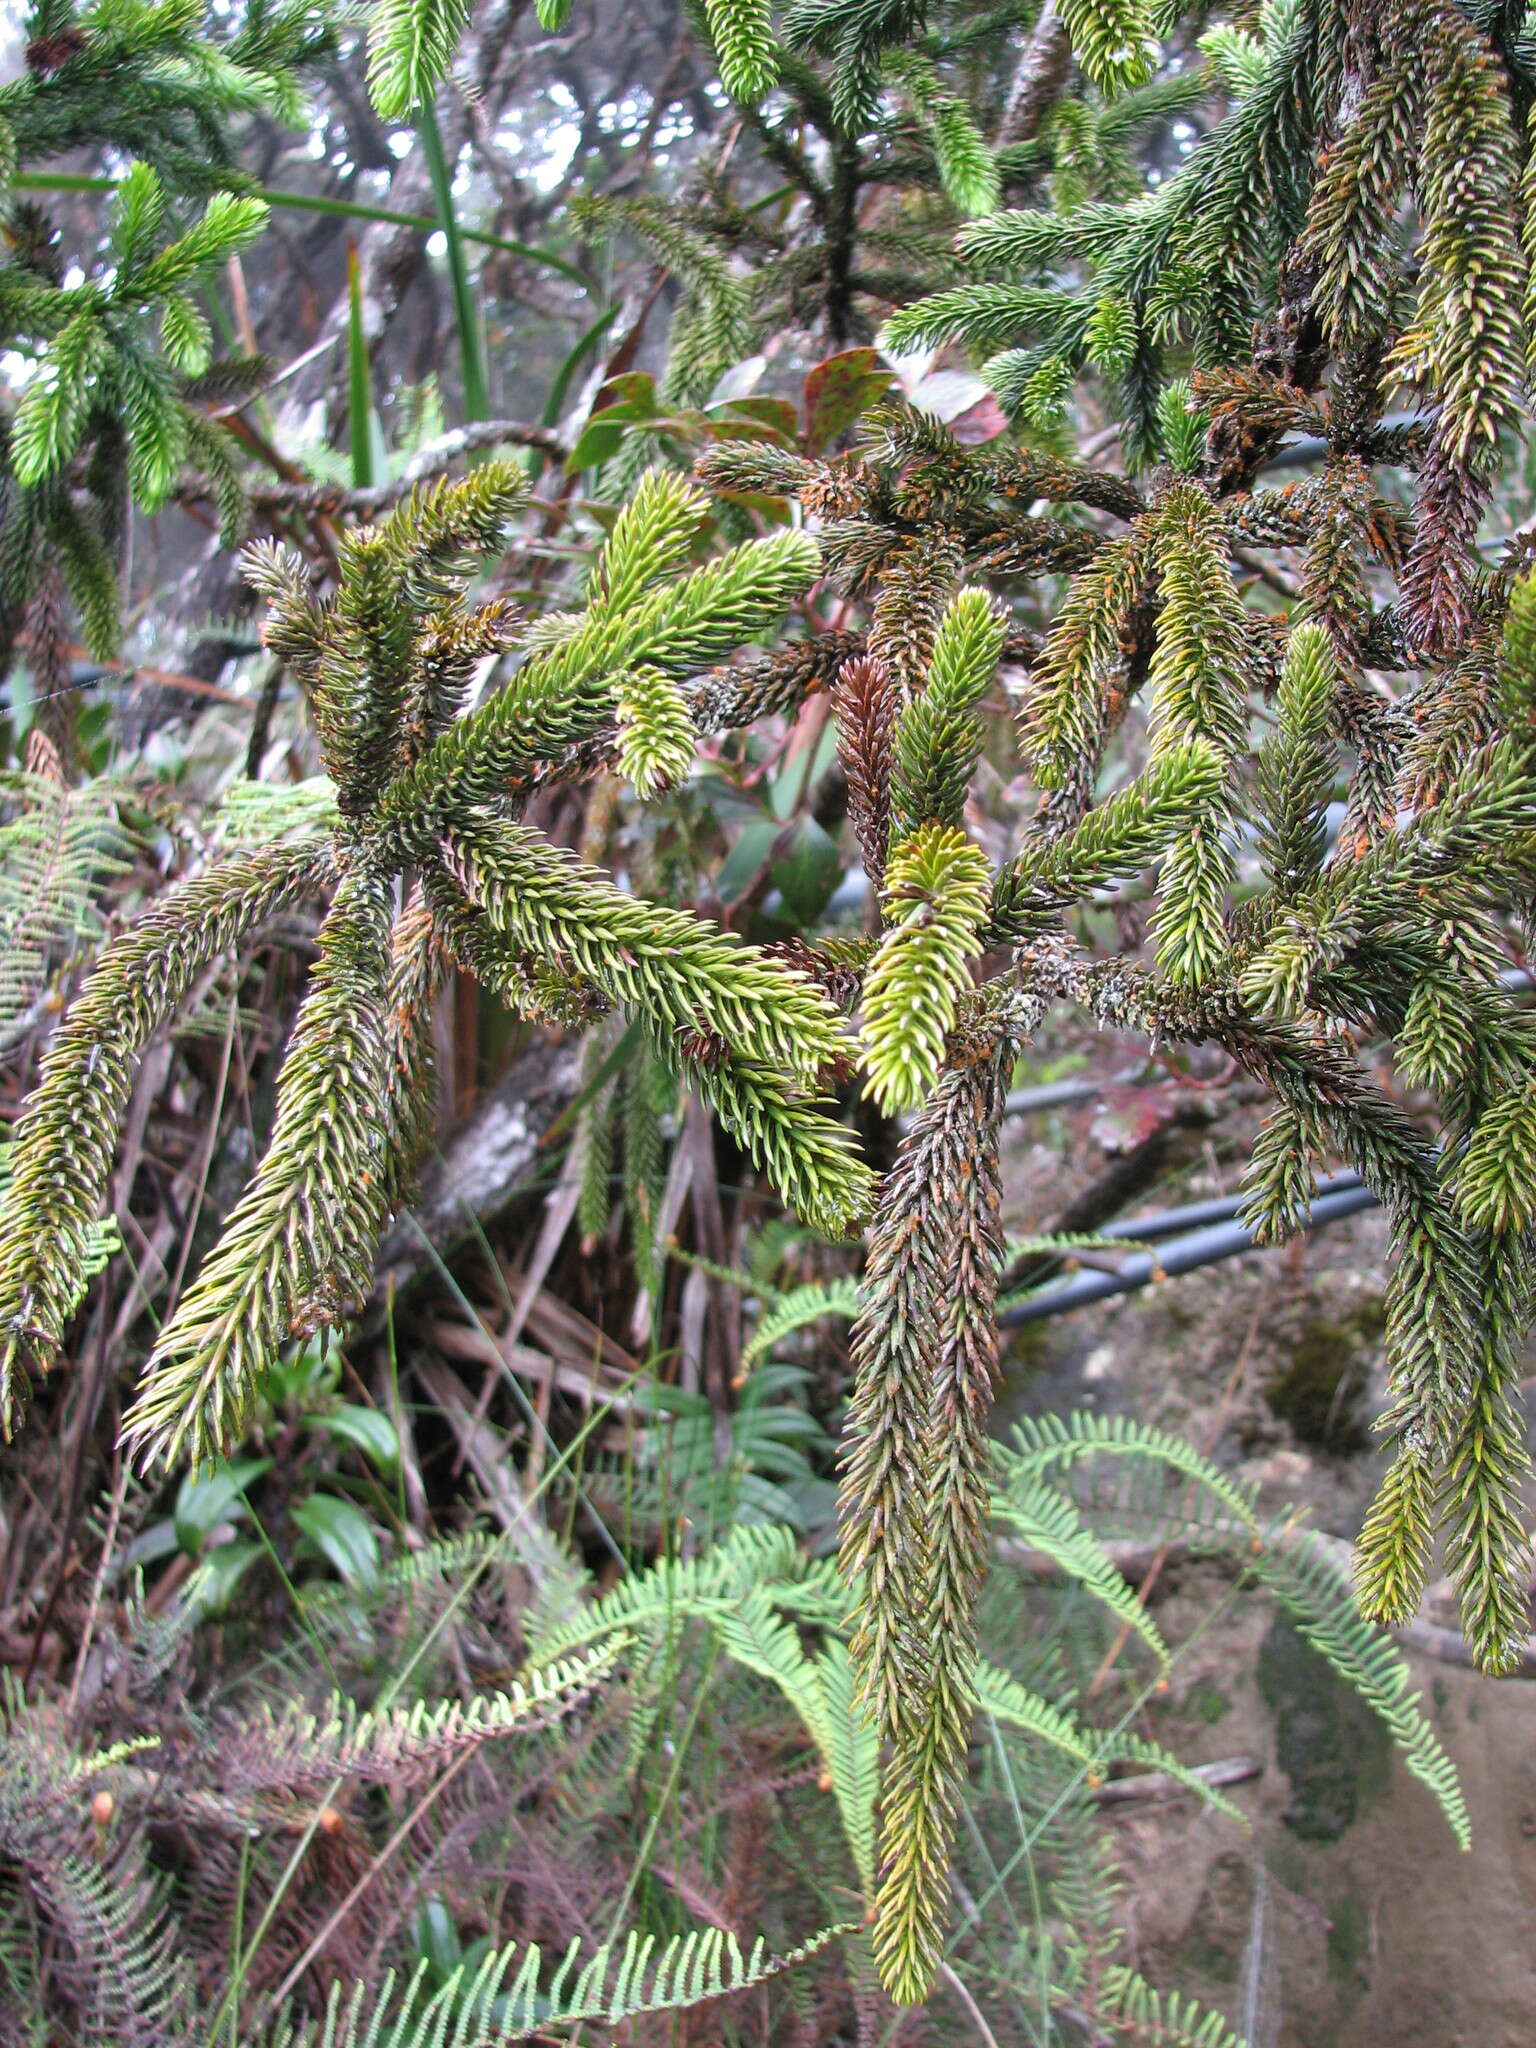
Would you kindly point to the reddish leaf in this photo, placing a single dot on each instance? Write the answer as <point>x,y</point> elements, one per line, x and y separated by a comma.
<point>983,422</point>
<point>635,388</point>
<point>734,429</point>
<point>1127,1116</point>
<point>777,413</point>
<point>837,391</point>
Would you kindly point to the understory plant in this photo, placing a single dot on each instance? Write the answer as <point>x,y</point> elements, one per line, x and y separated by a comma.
<point>686,1741</point>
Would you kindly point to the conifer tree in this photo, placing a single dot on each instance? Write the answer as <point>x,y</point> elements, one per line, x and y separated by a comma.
<point>122,363</point>
<point>1342,259</point>
<point>1273,269</point>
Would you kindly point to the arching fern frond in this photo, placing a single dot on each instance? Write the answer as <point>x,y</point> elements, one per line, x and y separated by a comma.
<point>505,1998</point>
<point>58,846</point>
<point>797,1310</point>
<point>1049,1522</point>
<point>1045,1443</point>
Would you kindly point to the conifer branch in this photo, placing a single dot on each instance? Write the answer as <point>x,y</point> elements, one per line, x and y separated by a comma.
<point>938,735</point>
<point>1199,691</point>
<point>68,1134</point>
<point>864,705</point>
<point>926,1774</point>
<point>935,904</point>
<point>296,1252</point>
<point>1129,830</point>
<point>749,1030</point>
<point>1297,765</point>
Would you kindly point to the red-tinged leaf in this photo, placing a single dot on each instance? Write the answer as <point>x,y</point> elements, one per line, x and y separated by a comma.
<point>777,413</point>
<point>1127,1117</point>
<point>734,429</point>
<point>635,388</point>
<point>983,422</point>
<point>837,391</point>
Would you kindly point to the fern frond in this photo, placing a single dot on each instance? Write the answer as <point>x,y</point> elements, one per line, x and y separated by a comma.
<point>1044,1443</point>
<point>1159,2019</point>
<point>674,1591</point>
<point>293,1749</point>
<point>513,1993</point>
<point>1315,1594</point>
<point>821,1691</point>
<point>797,1310</point>
<point>1093,1750</point>
<point>57,847</point>
<point>1047,1520</point>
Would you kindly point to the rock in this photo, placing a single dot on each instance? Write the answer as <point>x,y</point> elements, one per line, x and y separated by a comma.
<point>480,1168</point>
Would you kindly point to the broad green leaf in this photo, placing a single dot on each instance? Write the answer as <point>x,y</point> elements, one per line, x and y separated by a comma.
<point>342,1534</point>
<point>202,1505</point>
<point>366,1430</point>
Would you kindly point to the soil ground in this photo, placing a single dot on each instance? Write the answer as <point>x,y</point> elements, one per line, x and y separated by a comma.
<point>1345,1916</point>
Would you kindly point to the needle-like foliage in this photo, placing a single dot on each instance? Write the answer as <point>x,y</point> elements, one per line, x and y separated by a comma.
<point>122,358</point>
<point>1299,720</point>
<point>389,658</point>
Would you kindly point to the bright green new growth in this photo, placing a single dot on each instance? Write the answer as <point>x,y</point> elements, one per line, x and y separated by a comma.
<point>656,738</point>
<point>1196,693</point>
<point>1496,1180</point>
<point>410,47</point>
<point>939,736</point>
<point>1296,765</point>
<point>1113,41</point>
<point>935,903</point>
<point>742,33</point>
